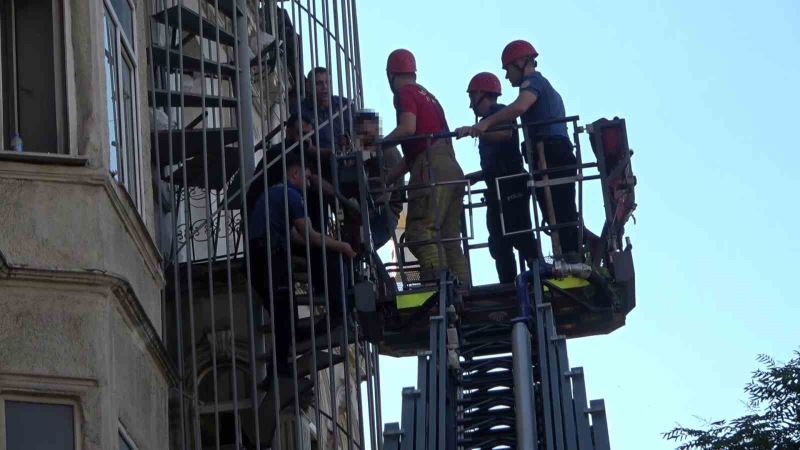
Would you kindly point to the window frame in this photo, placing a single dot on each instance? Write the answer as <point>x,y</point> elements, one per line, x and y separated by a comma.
<point>62,78</point>
<point>126,52</point>
<point>49,400</point>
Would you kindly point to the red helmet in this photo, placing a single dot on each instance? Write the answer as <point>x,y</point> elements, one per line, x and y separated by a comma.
<point>485,82</point>
<point>516,50</point>
<point>401,61</point>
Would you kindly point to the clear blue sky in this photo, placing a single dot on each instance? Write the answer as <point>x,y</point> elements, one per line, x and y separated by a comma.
<point>710,93</point>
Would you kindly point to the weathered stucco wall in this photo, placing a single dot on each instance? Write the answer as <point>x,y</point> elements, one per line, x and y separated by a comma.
<point>80,275</point>
<point>66,218</point>
<point>76,339</point>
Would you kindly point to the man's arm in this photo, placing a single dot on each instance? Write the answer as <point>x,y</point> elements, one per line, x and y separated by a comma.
<point>324,152</point>
<point>524,101</point>
<point>327,187</point>
<point>499,136</point>
<point>406,126</point>
<point>316,239</point>
<point>396,172</point>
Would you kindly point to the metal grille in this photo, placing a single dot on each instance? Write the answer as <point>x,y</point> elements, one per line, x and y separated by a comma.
<point>224,77</point>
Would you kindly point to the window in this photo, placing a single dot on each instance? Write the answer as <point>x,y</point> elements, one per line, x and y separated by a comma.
<point>121,87</point>
<point>32,85</point>
<point>38,425</point>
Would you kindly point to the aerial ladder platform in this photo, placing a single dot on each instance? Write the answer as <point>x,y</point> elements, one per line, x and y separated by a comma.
<point>493,370</point>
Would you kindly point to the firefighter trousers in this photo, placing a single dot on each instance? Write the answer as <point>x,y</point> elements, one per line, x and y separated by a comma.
<point>558,153</point>
<point>433,227</point>
<point>516,217</point>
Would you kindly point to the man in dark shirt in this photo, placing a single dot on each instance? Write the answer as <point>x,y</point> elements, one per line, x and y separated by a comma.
<point>434,214</point>
<point>500,156</point>
<point>331,129</point>
<point>297,126</point>
<point>276,219</point>
<point>329,118</point>
<point>383,222</point>
<point>539,101</point>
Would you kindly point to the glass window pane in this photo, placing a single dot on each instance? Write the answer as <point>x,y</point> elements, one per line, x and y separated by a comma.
<point>39,426</point>
<point>110,50</point>
<point>36,88</point>
<point>129,124</point>
<point>125,15</point>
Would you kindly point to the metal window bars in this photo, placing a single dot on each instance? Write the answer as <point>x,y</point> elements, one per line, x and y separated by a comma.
<point>223,76</point>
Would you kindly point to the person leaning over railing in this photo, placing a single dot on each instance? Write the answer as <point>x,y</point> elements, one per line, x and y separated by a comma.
<point>285,198</point>
<point>383,219</point>
<point>329,119</point>
<point>500,156</point>
<point>333,119</point>
<point>539,101</point>
<point>434,214</point>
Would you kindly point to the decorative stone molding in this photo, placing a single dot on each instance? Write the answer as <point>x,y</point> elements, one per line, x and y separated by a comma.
<point>33,384</point>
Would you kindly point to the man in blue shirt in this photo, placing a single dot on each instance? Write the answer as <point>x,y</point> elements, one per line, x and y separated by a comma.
<point>539,101</point>
<point>500,156</point>
<point>331,115</point>
<point>331,129</point>
<point>272,233</point>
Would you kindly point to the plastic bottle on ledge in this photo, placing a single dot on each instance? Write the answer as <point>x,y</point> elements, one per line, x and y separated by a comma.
<point>16,143</point>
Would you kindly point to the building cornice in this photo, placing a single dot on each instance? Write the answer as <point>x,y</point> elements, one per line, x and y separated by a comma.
<point>27,382</point>
<point>104,283</point>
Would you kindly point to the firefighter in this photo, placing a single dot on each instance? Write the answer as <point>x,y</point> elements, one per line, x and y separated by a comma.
<point>500,156</point>
<point>434,214</point>
<point>539,101</point>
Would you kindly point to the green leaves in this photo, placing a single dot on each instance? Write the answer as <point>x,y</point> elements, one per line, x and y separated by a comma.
<point>773,422</point>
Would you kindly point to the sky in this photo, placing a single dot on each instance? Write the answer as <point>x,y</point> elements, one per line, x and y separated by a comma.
<point>710,92</point>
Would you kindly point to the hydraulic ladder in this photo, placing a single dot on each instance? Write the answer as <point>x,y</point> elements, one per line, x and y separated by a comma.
<point>498,384</point>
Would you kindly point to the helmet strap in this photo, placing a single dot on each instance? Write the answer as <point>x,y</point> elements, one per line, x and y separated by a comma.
<point>475,104</point>
<point>528,59</point>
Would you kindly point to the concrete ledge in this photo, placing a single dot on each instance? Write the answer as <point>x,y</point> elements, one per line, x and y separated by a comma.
<point>34,383</point>
<point>43,158</point>
<point>108,283</point>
